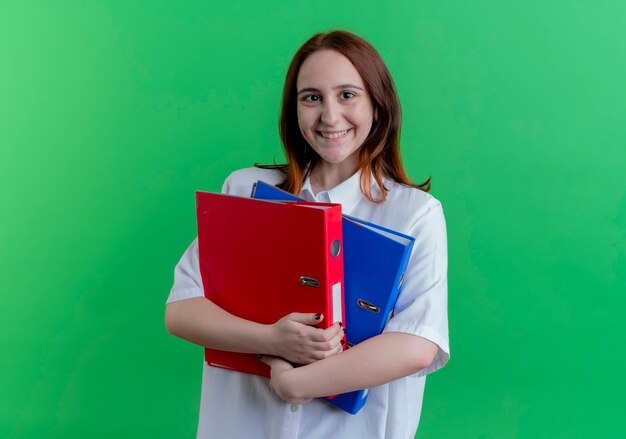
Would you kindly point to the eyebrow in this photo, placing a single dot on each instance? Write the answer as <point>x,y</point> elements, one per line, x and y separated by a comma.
<point>339,87</point>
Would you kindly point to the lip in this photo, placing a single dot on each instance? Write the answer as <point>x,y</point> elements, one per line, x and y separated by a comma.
<point>331,136</point>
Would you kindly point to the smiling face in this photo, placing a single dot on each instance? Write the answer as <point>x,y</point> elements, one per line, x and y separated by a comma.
<point>335,112</point>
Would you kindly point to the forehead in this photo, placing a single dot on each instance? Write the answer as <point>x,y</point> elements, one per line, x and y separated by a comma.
<point>327,68</point>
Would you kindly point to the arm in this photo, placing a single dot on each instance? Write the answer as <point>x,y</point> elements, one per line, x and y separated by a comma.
<point>376,361</point>
<point>200,321</point>
<point>420,315</point>
<point>192,317</point>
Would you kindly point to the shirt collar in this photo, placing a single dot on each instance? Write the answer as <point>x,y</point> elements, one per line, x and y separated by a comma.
<point>347,193</point>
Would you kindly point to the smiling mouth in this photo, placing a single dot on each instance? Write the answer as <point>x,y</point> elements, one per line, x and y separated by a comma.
<point>334,135</point>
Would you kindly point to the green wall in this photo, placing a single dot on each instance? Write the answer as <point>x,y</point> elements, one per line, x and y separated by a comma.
<point>112,113</point>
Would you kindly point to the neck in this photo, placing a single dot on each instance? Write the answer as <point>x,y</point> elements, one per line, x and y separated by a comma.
<point>326,176</point>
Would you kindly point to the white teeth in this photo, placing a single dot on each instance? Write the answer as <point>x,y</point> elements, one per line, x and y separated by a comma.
<point>334,135</point>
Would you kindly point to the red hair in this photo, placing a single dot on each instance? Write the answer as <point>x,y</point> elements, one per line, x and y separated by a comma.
<point>379,155</point>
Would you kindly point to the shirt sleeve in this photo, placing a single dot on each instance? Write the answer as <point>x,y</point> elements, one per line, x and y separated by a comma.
<point>422,306</point>
<point>187,278</point>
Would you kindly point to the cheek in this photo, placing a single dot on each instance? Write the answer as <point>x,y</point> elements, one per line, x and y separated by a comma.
<point>363,114</point>
<point>306,120</point>
<point>365,122</point>
<point>301,118</point>
<point>302,127</point>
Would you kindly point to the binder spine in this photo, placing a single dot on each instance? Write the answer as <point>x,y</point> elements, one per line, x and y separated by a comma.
<point>334,244</point>
<point>395,292</point>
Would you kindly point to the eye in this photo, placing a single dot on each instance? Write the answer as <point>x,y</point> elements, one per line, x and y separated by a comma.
<point>311,98</point>
<point>347,95</point>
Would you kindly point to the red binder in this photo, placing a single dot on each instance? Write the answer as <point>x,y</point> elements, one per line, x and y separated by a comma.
<point>261,260</point>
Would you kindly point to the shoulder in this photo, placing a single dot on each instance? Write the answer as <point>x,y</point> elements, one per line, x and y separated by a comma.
<point>240,182</point>
<point>412,205</point>
<point>409,198</point>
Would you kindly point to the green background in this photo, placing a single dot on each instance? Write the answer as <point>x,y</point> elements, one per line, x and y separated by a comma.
<point>112,113</point>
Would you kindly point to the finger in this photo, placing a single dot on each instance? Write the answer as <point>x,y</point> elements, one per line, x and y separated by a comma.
<point>339,349</point>
<point>325,349</point>
<point>270,360</point>
<point>338,339</point>
<point>275,363</point>
<point>332,337</point>
<point>328,351</point>
<point>318,335</point>
<point>330,333</point>
<point>310,319</point>
<point>321,348</point>
<point>267,359</point>
<point>335,351</point>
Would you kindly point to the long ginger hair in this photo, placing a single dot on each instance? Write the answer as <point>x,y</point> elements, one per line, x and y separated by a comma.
<point>379,155</point>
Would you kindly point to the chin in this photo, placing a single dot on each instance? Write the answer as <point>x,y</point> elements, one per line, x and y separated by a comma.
<point>334,160</point>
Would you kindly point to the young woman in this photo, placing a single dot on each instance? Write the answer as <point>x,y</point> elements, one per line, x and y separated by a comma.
<point>340,126</point>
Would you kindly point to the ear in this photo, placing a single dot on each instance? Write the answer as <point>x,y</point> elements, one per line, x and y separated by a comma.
<point>375,114</point>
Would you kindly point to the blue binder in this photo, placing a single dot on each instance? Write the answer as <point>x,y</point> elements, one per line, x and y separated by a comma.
<point>375,260</point>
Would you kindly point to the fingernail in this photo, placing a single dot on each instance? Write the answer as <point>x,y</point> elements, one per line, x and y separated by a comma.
<point>318,316</point>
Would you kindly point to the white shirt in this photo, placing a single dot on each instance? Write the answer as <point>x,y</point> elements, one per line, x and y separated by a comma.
<point>237,405</point>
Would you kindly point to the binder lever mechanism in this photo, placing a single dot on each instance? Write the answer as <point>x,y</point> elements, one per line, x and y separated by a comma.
<point>368,306</point>
<point>309,281</point>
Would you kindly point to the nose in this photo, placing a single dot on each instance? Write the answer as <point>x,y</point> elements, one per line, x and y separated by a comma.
<point>330,113</point>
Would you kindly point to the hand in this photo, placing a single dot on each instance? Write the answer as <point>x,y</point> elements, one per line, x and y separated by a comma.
<point>295,339</point>
<point>278,382</point>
